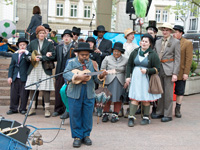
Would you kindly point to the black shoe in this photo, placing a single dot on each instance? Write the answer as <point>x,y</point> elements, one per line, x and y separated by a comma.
<point>87,140</point>
<point>121,112</point>
<point>145,121</point>
<point>131,121</point>
<point>155,116</point>
<point>166,119</point>
<point>105,117</point>
<point>23,112</point>
<point>55,114</point>
<point>77,142</point>
<point>177,112</point>
<point>65,115</point>
<point>114,118</point>
<point>10,112</point>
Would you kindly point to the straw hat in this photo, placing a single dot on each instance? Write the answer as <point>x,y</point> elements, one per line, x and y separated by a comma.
<point>127,32</point>
<point>166,25</point>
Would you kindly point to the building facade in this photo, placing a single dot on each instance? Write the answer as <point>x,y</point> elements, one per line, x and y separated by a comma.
<point>64,14</point>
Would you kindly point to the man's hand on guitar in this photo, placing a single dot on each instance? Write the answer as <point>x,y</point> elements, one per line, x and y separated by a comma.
<point>83,77</point>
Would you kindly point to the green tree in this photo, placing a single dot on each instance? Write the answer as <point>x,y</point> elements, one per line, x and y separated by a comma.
<point>184,6</point>
<point>7,2</point>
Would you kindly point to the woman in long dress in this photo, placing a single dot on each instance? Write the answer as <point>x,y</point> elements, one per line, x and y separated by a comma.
<point>46,52</point>
<point>142,63</point>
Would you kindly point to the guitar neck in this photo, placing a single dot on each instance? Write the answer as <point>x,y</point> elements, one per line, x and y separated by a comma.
<point>94,73</point>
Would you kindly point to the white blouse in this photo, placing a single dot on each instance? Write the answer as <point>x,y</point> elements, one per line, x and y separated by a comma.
<point>129,47</point>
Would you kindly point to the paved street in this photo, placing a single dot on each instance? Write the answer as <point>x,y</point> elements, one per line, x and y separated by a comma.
<point>179,134</point>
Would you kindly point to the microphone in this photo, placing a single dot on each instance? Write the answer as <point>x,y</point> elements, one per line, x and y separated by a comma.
<point>85,62</point>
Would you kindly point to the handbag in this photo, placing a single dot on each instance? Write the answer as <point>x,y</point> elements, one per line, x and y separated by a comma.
<point>49,65</point>
<point>155,86</point>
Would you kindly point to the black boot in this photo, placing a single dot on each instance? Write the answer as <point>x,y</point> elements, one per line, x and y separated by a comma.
<point>65,115</point>
<point>145,120</point>
<point>105,117</point>
<point>177,110</point>
<point>131,121</point>
<point>115,117</point>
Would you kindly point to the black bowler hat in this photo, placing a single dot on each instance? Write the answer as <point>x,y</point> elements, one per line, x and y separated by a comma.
<point>99,28</point>
<point>149,37</point>
<point>76,30</point>
<point>82,46</point>
<point>21,40</point>
<point>67,31</point>
<point>119,46</point>
<point>91,39</point>
<point>152,24</point>
<point>47,27</point>
<point>180,28</point>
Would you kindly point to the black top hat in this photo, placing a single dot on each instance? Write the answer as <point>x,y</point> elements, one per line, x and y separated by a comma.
<point>21,40</point>
<point>99,28</point>
<point>67,31</point>
<point>76,30</point>
<point>152,24</point>
<point>180,28</point>
<point>47,27</point>
<point>119,46</point>
<point>91,39</point>
<point>149,37</point>
<point>82,46</point>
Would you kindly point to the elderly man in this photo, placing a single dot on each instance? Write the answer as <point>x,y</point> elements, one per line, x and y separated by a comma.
<point>186,61</point>
<point>168,49</point>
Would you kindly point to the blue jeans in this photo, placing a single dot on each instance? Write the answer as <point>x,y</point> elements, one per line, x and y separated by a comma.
<point>81,113</point>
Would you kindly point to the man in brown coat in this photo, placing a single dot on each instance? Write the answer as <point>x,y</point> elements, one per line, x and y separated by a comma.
<point>185,64</point>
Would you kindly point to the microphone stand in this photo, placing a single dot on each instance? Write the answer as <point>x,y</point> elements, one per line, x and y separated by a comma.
<point>37,84</point>
<point>91,22</point>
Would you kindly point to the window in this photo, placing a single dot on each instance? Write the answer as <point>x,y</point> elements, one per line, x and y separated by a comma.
<point>73,10</point>
<point>87,12</point>
<point>193,24</point>
<point>158,15</point>
<point>59,9</point>
<point>164,16</point>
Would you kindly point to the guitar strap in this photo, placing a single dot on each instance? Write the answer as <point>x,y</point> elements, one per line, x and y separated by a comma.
<point>95,65</point>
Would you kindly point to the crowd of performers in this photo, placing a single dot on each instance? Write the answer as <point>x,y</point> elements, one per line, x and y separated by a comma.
<point>171,56</point>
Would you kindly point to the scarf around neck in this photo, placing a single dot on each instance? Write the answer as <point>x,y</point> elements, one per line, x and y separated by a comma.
<point>141,53</point>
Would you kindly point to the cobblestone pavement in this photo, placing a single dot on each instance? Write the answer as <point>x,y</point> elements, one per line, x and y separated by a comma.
<point>179,134</point>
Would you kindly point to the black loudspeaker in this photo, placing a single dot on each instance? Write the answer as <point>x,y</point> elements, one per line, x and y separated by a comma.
<point>21,135</point>
<point>130,9</point>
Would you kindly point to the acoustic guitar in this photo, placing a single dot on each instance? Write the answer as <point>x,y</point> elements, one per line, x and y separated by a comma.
<point>89,73</point>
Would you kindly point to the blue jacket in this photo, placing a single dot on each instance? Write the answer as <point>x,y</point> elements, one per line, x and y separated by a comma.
<point>74,90</point>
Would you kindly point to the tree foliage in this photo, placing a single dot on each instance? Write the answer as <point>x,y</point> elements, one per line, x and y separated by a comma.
<point>7,2</point>
<point>184,6</point>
